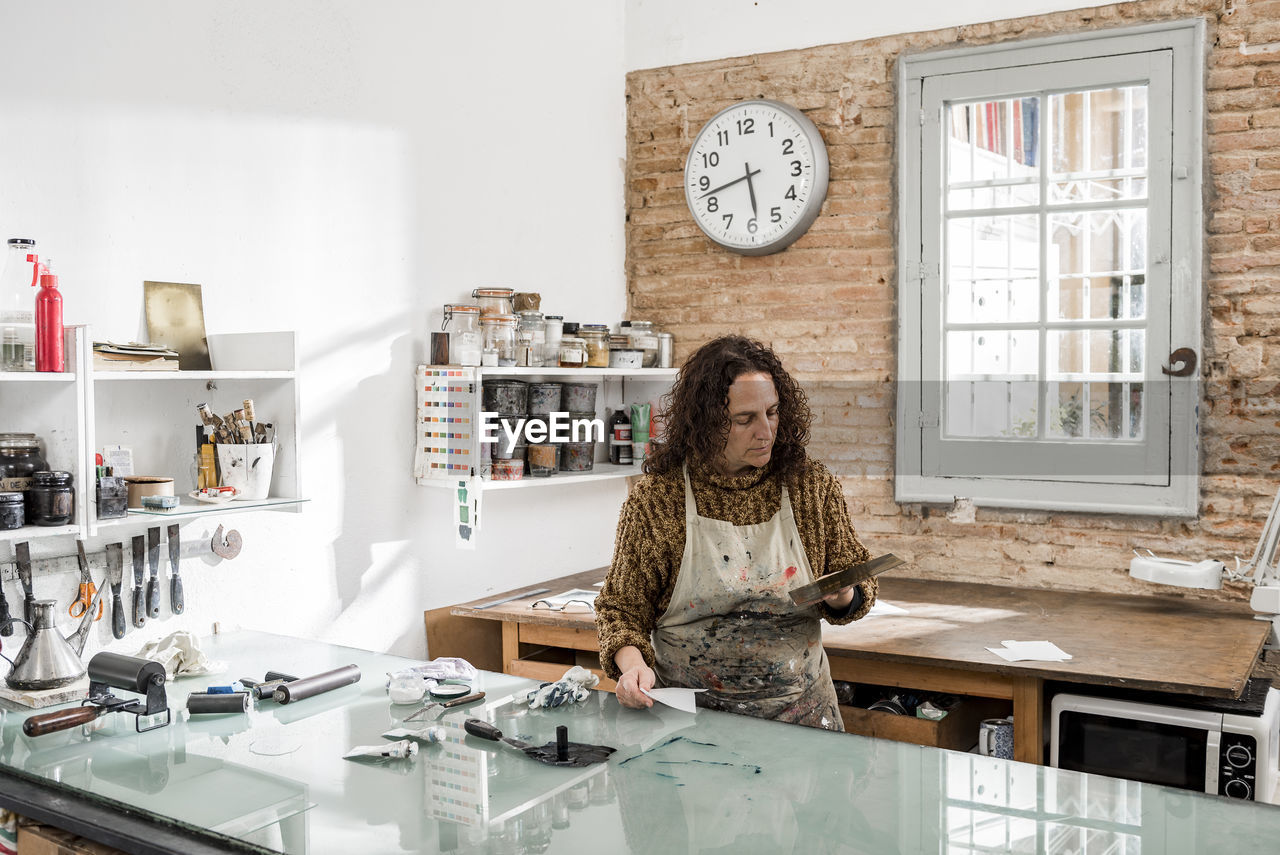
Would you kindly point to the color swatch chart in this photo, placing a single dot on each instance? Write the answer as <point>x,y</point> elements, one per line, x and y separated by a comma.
<point>444,447</point>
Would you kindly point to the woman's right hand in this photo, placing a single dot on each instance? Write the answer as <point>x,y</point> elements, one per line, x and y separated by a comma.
<point>636,675</point>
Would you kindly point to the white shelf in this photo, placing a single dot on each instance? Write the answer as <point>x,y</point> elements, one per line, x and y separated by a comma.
<point>601,472</point>
<point>583,373</point>
<point>155,376</point>
<point>37,377</point>
<point>34,532</point>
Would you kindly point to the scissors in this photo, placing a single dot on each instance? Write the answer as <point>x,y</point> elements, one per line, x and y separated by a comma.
<point>87,588</point>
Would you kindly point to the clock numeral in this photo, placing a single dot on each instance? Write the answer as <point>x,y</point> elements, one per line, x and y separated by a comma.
<point>713,204</point>
<point>751,225</point>
<point>722,137</point>
<point>713,159</point>
<point>791,192</point>
<point>728,220</point>
<point>771,130</point>
<point>775,215</point>
<point>746,126</point>
<point>787,146</point>
<point>704,182</point>
<point>796,168</point>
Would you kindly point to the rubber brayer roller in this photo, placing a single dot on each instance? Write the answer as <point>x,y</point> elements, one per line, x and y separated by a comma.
<point>307,687</point>
<point>111,671</point>
<point>125,672</point>
<point>217,702</point>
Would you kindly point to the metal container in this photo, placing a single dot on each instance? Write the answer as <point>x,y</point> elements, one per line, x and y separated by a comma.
<point>665,346</point>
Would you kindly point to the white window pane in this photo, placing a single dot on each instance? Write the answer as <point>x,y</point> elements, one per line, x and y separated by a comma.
<point>993,152</point>
<point>1098,148</point>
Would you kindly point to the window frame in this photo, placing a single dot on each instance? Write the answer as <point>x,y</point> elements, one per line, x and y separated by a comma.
<point>1176,493</point>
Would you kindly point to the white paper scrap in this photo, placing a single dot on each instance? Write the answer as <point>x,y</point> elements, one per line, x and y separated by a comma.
<point>880,607</point>
<point>681,699</point>
<point>1030,651</point>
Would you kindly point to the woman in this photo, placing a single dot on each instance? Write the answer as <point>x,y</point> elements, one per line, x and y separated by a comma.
<point>730,517</point>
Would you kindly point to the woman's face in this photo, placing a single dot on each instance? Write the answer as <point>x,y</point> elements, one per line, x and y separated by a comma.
<point>753,424</point>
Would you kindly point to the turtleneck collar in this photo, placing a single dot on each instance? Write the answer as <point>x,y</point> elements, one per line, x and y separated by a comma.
<point>703,472</point>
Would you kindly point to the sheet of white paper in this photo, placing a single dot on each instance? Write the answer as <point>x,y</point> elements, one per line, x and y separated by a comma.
<point>880,607</point>
<point>681,699</point>
<point>1030,651</point>
<point>579,595</point>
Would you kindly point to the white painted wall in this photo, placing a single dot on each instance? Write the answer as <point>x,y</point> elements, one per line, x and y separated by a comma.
<point>341,168</point>
<point>673,32</point>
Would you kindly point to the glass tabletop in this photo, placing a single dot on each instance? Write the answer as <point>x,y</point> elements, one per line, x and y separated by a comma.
<point>677,782</point>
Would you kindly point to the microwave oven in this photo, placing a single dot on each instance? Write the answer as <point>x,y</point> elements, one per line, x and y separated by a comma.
<point>1230,754</point>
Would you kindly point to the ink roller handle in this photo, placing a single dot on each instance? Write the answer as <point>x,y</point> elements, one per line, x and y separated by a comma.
<point>50,722</point>
<point>307,687</point>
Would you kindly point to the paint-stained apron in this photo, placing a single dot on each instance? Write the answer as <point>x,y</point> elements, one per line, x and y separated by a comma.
<point>732,629</point>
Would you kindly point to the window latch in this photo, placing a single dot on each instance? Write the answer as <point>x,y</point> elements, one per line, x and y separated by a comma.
<point>1182,363</point>
<point>927,420</point>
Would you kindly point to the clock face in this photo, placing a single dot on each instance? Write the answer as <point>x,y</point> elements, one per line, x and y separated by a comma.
<point>756,176</point>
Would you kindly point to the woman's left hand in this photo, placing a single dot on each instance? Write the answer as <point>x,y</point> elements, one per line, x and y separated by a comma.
<point>840,600</point>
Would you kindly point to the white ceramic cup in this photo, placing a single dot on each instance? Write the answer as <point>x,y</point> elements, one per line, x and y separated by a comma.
<point>995,738</point>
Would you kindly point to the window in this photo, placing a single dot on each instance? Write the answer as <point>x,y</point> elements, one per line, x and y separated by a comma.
<point>1050,252</point>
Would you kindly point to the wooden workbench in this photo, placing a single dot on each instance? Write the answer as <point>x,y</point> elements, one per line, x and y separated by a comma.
<point>1148,643</point>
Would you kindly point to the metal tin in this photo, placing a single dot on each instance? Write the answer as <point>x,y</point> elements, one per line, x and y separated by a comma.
<point>12,515</point>
<point>665,345</point>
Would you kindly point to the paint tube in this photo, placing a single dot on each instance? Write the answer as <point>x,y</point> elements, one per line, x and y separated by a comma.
<point>430,735</point>
<point>640,422</point>
<point>387,751</point>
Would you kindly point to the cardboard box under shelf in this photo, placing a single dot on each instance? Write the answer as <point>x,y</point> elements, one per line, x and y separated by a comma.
<point>46,840</point>
<point>957,731</point>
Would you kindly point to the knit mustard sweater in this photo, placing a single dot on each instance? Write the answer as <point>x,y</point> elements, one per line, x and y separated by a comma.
<point>651,533</point>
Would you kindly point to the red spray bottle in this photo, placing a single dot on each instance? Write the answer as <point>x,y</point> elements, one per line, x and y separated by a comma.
<point>48,322</point>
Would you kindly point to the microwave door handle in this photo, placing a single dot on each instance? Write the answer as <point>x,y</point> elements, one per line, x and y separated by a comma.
<point>1212,758</point>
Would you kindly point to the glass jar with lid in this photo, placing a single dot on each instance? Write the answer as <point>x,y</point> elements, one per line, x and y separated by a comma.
<point>494,301</point>
<point>596,337</point>
<point>573,352</point>
<point>643,337</point>
<point>533,334</point>
<point>500,335</point>
<point>465,339</point>
<point>20,459</point>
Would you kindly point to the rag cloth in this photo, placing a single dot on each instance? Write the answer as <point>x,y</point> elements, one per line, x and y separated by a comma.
<point>181,656</point>
<point>574,687</point>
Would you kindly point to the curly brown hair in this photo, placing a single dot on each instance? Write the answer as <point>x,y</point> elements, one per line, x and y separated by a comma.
<point>695,413</point>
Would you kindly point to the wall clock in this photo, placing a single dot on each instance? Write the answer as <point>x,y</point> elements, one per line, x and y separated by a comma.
<point>756,176</point>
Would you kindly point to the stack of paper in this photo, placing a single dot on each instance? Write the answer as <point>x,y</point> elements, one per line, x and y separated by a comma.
<point>109,356</point>
<point>1030,651</point>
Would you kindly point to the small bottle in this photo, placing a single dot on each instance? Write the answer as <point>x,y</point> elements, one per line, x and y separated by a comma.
<point>48,323</point>
<point>620,438</point>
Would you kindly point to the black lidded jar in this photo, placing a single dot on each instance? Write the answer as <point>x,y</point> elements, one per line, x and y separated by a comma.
<point>50,501</point>
<point>12,515</point>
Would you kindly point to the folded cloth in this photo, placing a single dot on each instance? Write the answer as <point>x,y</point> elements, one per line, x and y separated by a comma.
<point>575,686</point>
<point>443,668</point>
<point>180,654</point>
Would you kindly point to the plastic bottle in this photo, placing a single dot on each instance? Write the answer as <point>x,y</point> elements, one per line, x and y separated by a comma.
<point>17,321</point>
<point>48,323</point>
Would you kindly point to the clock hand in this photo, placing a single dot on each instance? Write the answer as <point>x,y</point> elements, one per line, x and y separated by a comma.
<point>751,187</point>
<point>730,184</point>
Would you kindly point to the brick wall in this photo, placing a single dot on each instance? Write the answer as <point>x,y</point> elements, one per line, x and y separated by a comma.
<point>827,303</point>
